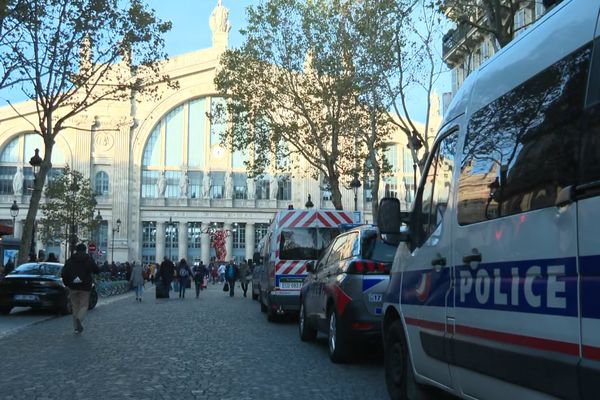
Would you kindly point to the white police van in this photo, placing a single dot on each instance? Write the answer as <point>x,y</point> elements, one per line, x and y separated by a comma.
<point>495,288</point>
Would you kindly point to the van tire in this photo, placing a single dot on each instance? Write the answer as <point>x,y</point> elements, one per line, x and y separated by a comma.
<point>399,375</point>
<point>271,316</point>
<point>338,341</point>
<point>307,332</point>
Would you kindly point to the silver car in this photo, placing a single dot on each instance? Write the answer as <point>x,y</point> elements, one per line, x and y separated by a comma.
<point>343,294</point>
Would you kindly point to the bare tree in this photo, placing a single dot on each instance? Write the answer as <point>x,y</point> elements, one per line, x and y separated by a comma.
<point>76,54</point>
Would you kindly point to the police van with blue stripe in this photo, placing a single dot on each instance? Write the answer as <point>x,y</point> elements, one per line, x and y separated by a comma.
<point>495,287</point>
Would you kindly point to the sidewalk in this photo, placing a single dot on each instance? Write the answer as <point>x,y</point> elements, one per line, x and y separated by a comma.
<point>23,317</point>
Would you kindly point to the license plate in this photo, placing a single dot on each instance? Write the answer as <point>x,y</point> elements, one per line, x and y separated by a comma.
<point>375,297</point>
<point>290,285</point>
<point>25,297</point>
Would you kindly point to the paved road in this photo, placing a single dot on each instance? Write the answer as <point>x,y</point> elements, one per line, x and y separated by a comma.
<point>215,347</point>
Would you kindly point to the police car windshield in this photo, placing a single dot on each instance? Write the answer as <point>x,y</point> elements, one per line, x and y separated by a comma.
<point>305,243</point>
<point>37,269</point>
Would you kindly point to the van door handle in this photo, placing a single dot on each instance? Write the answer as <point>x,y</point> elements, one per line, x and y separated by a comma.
<point>441,261</point>
<point>476,257</point>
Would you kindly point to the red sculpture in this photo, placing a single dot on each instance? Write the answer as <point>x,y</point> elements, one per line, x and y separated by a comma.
<point>218,243</point>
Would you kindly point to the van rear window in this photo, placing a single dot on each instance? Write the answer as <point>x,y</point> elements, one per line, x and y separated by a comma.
<point>305,243</point>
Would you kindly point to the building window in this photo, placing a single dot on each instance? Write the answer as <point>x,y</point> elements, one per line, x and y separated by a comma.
<point>239,186</point>
<point>6,179</point>
<point>218,184</point>
<point>539,9</point>
<point>285,188</point>
<point>10,152</point>
<point>195,187</point>
<point>260,231</point>
<point>149,234</point>
<point>173,178</point>
<point>149,179</point>
<point>368,187</point>
<point>239,236</point>
<point>174,137</point>
<point>194,235</point>
<point>196,129</point>
<point>101,183</point>
<point>262,189</point>
<point>391,186</point>
<point>325,189</point>
<point>172,239</point>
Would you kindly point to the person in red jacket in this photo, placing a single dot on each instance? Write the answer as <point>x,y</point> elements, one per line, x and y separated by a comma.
<point>77,276</point>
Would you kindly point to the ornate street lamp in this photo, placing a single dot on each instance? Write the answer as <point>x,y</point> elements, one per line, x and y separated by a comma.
<point>309,204</point>
<point>355,185</point>
<point>36,163</point>
<point>112,246</point>
<point>14,211</point>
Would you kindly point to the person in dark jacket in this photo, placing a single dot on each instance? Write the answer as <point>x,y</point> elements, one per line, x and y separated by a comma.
<point>77,276</point>
<point>200,272</point>
<point>231,275</point>
<point>52,258</point>
<point>184,274</point>
<point>166,272</point>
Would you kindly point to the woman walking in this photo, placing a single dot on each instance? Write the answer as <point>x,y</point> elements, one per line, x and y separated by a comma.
<point>184,277</point>
<point>136,280</point>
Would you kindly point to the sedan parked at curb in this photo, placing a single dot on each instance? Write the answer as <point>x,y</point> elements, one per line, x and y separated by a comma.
<point>38,285</point>
<point>343,294</point>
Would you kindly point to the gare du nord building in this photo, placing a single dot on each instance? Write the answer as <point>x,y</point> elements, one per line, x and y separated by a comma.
<point>159,168</point>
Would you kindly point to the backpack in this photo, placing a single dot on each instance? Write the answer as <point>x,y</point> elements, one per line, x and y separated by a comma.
<point>230,272</point>
<point>183,272</point>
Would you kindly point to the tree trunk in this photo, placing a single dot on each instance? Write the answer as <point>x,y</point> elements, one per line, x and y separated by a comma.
<point>336,194</point>
<point>376,170</point>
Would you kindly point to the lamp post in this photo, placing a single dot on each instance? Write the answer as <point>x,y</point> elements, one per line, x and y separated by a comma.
<point>112,246</point>
<point>14,211</point>
<point>36,163</point>
<point>98,219</point>
<point>309,204</point>
<point>355,185</point>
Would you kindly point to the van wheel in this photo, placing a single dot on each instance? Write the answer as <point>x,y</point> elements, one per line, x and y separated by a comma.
<point>271,316</point>
<point>307,332</point>
<point>399,375</point>
<point>337,339</point>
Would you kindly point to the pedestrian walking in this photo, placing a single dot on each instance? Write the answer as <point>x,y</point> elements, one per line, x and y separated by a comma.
<point>200,273</point>
<point>244,270</point>
<point>231,274</point>
<point>136,281</point>
<point>185,273</point>
<point>165,272</point>
<point>222,272</point>
<point>77,276</point>
<point>214,273</point>
<point>52,258</point>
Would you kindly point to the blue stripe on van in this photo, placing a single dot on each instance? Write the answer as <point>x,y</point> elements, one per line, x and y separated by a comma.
<point>589,267</point>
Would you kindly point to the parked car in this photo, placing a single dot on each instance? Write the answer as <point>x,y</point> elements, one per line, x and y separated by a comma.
<point>342,295</point>
<point>37,285</point>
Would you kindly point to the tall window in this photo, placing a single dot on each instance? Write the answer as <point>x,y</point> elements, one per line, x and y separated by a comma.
<point>194,235</point>
<point>239,236</point>
<point>218,184</point>
<point>262,189</point>
<point>239,186</point>
<point>284,191</point>
<point>174,138</point>
<point>260,231</point>
<point>195,188</point>
<point>196,145</point>
<point>101,183</point>
<point>6,179</point>
<point>173,178</point>
<point>149,234</point>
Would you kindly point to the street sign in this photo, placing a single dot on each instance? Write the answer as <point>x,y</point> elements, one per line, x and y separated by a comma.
<point>91,247</point>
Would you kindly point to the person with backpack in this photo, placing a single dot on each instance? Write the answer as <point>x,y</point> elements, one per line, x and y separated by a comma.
<point>185,273</point>
<point>231,275</point>
<point>165,273</point>
<point>199,273</point>
<point>77,276</point>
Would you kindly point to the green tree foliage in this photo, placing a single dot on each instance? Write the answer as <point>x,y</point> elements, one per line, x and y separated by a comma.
<point>74,54</point>
<point>69,208</point>
<point>292,93</point>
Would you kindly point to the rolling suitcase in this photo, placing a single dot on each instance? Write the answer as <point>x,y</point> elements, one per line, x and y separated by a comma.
<point>161,291</point>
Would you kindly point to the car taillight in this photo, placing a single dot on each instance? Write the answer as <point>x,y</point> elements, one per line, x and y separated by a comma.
<point>368,267</point>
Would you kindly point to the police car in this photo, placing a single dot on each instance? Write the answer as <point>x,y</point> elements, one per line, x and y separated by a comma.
<point>494,288</point>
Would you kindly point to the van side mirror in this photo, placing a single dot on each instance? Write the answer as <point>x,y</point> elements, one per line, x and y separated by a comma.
<point>389,222</point>
<point>310,267</point>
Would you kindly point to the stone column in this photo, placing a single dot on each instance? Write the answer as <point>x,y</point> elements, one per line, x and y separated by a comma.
<point>228,241</point>
<point>205,245</point>
<point>183,241</point>
<point>160,241</point>
<point>250,239</point>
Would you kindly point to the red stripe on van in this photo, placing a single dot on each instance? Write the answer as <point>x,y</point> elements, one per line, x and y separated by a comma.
<point>333,217</point>
<point>297,220</point>
<point>346,218</point>
<point>286,217</point>
<point>593,353</point>
<point>571,349</point>
<point>290,268</point>
<point>310,220</point>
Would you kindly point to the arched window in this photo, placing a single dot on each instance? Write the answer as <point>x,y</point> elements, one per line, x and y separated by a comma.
<point>101,183</point>
<point>16,153</point>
